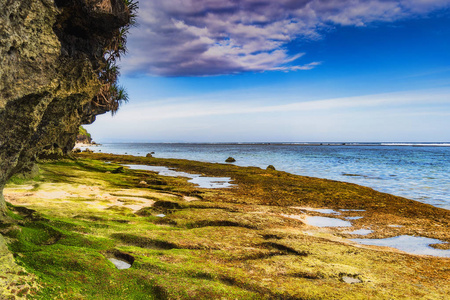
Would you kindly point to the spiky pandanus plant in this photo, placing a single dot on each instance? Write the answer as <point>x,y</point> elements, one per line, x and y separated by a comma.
<point>112,95</point>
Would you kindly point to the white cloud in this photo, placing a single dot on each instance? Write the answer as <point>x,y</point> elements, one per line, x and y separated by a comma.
<point>188,108</point>
<point>391,116</point>
<point>211,37</point>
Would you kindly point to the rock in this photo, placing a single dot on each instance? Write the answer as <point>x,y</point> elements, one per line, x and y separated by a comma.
<point>118,170</point>
<point>87,150</point>
<point>230,160</point>
<point>350,279</point>
<point>149,155</point>
<point>50,54</point>
<point>143,183</point>
<point>270,167</point>
<point>83,136</point>
<point>77,150</point>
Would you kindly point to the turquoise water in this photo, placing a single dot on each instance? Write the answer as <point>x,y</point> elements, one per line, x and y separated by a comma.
<point>415,171</point>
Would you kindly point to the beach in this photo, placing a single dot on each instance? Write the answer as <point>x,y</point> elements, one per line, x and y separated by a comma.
<point>269,234</point>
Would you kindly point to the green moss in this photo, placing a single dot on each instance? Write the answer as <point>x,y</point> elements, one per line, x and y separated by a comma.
<point>228,243</point>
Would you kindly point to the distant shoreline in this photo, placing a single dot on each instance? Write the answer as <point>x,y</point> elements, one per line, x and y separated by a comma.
<point>387,144</point>
<point>82,145</point>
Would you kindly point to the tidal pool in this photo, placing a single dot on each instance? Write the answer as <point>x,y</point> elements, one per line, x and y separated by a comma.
<point>120,264</point>
<point>410,244</point>
<point>323,210</point>
<point>327,222</point>
<point>353,218</point>
<point>201,181</point>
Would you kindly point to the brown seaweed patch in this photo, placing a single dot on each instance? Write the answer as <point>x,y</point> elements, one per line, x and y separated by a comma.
<point>144,242</point>
<point>284,248</point>
<point>307,275</point>
<point>206,223</point>
<point>166,206</point>
<point>443,246</point>
<point>271,237</point>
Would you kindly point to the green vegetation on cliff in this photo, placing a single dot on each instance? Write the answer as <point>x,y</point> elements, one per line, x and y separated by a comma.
<point>83,136</point>
<point>186,242</point>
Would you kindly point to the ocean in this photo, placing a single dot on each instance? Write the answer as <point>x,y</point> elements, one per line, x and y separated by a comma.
<point>418,171</point>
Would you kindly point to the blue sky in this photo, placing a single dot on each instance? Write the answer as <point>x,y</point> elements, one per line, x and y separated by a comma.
<point>285,71</point>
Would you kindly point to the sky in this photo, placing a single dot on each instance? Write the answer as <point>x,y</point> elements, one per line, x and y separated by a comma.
<point>285,71</point>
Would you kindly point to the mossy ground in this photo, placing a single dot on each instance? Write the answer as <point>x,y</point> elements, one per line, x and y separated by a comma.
<point>213,243</point>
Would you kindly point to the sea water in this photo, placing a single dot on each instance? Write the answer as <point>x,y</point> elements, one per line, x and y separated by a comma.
<point>415,171</point>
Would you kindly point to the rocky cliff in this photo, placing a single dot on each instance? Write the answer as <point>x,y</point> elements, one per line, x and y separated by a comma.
<point>52,53</point>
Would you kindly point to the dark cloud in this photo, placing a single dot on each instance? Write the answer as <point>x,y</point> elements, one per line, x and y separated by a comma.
<point>212,37</point>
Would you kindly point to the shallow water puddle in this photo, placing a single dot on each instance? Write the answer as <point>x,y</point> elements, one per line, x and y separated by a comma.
<point>353,218</point>
<point>323,210</point>
<point>212,182</point>
<point>410,244</point>
<point>326,222</point>
<point>120,264</point>
<point>201,181</point>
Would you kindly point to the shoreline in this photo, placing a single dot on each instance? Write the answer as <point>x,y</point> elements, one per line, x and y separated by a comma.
<point>256,239</point>
<point>381,175</point>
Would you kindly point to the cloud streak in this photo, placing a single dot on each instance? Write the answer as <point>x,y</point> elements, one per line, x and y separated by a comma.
<point>186,108</point>
<point>214,37</point>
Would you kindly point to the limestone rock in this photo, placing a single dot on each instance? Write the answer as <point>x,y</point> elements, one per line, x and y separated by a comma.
<point>50,51</point>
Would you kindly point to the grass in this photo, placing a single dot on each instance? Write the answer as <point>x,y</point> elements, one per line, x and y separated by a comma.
<point>228,244</point>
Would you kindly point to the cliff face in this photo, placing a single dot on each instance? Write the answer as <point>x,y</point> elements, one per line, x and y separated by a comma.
<point>50,55</point>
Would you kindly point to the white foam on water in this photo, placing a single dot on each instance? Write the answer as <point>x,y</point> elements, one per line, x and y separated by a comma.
<point>353,218</point>
<point>410,244</point>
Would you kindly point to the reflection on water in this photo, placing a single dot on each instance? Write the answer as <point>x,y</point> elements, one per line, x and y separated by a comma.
<point>201,181</point>
<point>410,244</point>
<point>120,264</point>
<point>327,222</point>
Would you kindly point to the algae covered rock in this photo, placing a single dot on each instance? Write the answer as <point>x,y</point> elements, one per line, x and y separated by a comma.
<point>15,282</point>
<point>270,167</point>
<point>230,160</point>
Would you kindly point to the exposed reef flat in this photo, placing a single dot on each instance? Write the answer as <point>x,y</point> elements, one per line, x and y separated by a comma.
<point>181,241</point>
